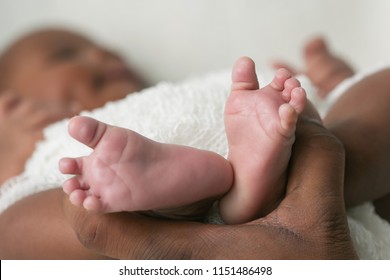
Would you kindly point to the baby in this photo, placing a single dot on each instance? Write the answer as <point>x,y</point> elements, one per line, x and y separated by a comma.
<point>53,74</point>
<point>47,76</point>
<point>42,88</point>
<point>128,172</point>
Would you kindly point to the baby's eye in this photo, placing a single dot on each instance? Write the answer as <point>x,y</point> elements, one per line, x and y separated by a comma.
<point>65,53</point>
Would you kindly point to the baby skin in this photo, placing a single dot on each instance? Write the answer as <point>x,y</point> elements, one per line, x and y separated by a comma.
<point>128,172</point>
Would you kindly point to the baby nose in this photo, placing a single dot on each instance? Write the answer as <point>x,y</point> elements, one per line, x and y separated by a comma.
<point>96,55</point>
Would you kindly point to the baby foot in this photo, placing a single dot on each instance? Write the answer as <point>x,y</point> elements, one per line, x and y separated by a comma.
<point>128,172</point>
<point>104,168</point>
<point>260,128</point>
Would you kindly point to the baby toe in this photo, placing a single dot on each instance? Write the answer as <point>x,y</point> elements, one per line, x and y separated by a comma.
<point>70,166</point>
<point>77,197</point>
<point>281,76</point>
<point>244,75</point>
<point>298,99</point>
<point>71,185</point>
<point>288,119</point>
<point>289,85</point>
<point>87,130</point>
<point>93,203</point>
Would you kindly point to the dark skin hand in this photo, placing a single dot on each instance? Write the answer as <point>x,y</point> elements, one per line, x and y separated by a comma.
<point>309,223</point>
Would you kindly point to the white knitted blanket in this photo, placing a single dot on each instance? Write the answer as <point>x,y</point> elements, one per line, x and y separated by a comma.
<point>189,113</point>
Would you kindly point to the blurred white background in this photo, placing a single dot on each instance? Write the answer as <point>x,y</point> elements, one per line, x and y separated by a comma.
<point>174,39</point>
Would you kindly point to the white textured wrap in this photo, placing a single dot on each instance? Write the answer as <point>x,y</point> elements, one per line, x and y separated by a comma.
<point>189,113</point>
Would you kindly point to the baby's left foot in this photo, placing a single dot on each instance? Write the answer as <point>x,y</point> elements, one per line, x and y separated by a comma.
<point>129,172</point>
<point>104,180</point>
<point>260,128</point>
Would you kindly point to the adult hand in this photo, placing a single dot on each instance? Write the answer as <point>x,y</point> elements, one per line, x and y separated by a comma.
<point>21,125</point>
<point>309,223</point>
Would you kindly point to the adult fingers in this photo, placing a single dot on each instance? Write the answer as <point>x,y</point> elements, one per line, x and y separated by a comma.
<point>134,236</point>
<point>313,208</point>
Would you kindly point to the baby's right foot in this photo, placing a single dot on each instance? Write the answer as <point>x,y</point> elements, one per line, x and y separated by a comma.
<point>260,128</point>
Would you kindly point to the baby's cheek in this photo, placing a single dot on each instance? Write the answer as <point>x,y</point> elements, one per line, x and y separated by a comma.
<point>54,86</point>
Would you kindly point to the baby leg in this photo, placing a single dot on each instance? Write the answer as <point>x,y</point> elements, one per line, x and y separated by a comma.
<point>128,172</point>
<point>260,128</point>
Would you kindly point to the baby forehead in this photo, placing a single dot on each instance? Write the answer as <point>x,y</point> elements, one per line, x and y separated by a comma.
<point>30,47</point>
<point>44,41</point>
<point>52,38</point>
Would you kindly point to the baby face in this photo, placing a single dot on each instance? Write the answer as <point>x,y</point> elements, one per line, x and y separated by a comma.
<point>65,67</point>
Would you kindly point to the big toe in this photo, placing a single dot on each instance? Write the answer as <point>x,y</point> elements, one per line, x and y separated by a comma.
<point>244,75</point>
<point>86,130</point>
